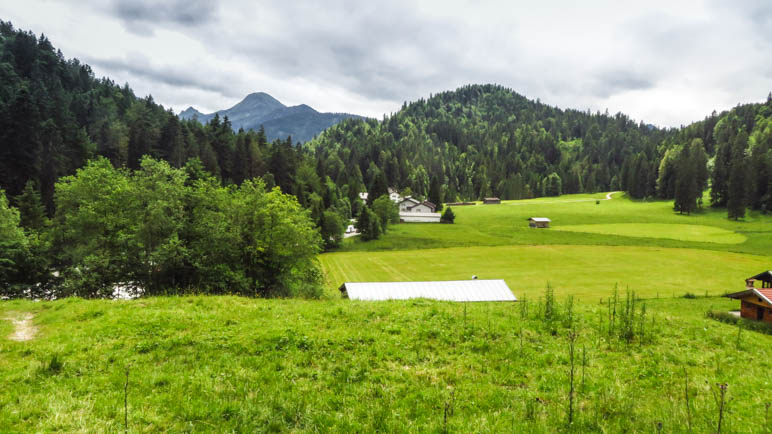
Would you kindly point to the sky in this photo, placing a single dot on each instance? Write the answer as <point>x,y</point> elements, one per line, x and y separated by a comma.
<point>662,62</point>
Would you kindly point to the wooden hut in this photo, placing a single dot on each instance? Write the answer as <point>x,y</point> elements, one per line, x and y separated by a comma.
<point>539,222</point>
<point>491,201</point>
<point>756,302</point>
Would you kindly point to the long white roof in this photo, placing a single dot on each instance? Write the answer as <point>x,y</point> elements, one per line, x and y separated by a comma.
<point>452,290</point>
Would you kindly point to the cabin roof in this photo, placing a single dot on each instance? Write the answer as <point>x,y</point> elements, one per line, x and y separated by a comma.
<point>540,219</point>
<point>451,290</point>
<point>764,294</point>
<point>765,276</point>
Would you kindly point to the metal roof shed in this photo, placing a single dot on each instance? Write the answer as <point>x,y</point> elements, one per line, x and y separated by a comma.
<point>451,290</point>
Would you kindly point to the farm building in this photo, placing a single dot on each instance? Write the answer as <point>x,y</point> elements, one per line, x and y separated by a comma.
<point>394,195</point>
<point>491,201</point>
<point>756,303</point>
<point>415,211</point>
<point>454,290</point>
<point>410,204</point>
<point>539,222</point>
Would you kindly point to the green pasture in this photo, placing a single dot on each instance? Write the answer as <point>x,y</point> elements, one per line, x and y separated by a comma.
<point>647,224</point>
<point>673,231</point>
<point>231,364</point>
<point>588,272</point>
<point>593,245</point>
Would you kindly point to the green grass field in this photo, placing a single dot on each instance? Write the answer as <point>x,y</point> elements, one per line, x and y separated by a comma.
<point>222,364</point>
<point>584,271</point>
<point>230,364</point>
<point>673,231</point>
<point>646,224</point>
<point>593,244</point>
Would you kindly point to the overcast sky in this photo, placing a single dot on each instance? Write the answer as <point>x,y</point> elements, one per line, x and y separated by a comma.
<point>663,62</point>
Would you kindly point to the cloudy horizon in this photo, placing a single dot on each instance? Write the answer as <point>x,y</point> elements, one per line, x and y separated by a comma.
<point>664,64</point>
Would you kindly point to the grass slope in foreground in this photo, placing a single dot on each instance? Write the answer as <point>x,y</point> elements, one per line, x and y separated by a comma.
<point>234,364</point>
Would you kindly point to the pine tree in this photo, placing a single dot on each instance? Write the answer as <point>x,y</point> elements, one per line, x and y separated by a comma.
<point>737,183</point>
<point>686,188</point>
<point>435,193</point>
<point>378,188</point>
<point>31,209</point>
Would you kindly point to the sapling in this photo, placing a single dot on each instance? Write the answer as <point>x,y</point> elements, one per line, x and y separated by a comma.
<point>721,403</point>
<point>126,401</point>
<point>571,342</point>
<point>686,395</point>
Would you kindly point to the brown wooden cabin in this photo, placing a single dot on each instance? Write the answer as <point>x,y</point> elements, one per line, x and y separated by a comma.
<point>491,201</point>
<point>756,303</point>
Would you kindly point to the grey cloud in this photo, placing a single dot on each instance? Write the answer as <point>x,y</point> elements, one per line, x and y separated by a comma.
<point>377,52</point>
<point>178,76</point>
<point>615,81</point>
<point>142,16</point>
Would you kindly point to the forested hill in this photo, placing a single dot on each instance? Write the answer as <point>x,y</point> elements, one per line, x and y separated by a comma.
<point>55,116</point>
<point>487,140</point>
<point>259,109</point>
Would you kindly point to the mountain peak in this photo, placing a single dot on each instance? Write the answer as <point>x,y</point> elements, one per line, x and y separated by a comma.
<point>190,113</point>
<point>261,109</point>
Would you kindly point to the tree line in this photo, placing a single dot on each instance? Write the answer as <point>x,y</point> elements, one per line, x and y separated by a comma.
<point>157,230</point>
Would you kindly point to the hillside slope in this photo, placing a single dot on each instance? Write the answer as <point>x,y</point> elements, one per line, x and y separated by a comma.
<point>246,365</point>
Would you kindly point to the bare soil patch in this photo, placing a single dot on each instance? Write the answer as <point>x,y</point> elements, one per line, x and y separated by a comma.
<point>24,330</point>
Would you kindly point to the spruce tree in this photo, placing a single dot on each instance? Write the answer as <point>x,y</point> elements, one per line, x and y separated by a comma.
<point>737,183</point>
<point>31,209</point>
<point>435,193</point>
<point>686,182</point>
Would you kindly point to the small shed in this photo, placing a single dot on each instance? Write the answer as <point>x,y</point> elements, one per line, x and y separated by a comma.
<point>491,201</point>
<point>539,222</point>
<point>756,303</point>
<point>451,290</point>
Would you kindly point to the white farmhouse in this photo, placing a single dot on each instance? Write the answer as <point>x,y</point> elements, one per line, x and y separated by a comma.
<point>413,210</point>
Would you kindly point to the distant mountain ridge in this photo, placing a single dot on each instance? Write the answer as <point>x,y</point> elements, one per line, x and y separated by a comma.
<point>301,121</point>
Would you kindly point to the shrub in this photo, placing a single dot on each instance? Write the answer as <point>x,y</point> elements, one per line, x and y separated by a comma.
<point>448,216</point>
<point>728,318</point>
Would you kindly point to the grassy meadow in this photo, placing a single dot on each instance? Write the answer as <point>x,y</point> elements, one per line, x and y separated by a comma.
<point>592,245</point>
<point>652,363</point>
<point>583,220</point>
<point>221,364</point>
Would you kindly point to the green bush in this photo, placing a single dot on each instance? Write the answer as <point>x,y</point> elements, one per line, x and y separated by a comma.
<point>728,318</point>
<point>448,216</point>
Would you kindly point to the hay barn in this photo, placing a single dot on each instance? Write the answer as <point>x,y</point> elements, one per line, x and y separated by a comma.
<point>539,222</point>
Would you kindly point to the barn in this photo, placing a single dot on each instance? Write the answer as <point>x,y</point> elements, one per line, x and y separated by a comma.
<point>539,222</point>
<point>450,290</point>
<point>756,303</point>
